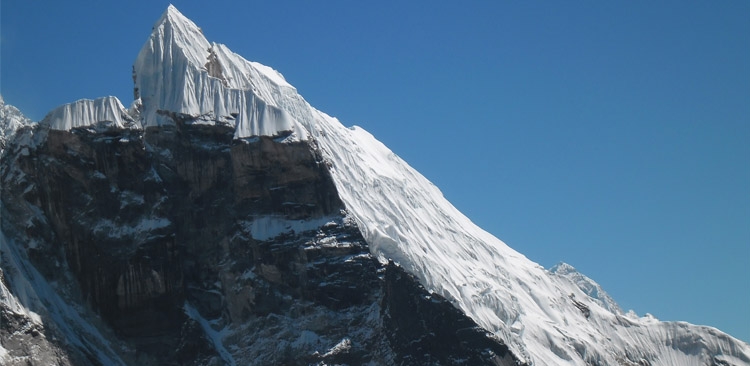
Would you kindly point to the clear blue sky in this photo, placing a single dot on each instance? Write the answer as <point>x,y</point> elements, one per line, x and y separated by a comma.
<point>614,136</point>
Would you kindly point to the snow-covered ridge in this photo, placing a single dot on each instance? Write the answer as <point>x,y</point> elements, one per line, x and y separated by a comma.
<point>546,318</point>
<point>11,119</point>
<point>179,72</point>
<point>588,286</point>
<point>106,112</point>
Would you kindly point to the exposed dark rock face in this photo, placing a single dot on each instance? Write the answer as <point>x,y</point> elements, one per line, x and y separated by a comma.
<point>198,249</point>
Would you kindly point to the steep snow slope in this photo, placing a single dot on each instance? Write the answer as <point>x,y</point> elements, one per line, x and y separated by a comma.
<point>546,318</point>
<point>587,285</point>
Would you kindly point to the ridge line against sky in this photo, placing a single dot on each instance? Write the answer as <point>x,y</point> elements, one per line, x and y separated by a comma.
<point>614,137</point>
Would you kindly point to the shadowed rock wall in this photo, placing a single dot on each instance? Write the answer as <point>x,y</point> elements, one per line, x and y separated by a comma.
<point>153,230</point>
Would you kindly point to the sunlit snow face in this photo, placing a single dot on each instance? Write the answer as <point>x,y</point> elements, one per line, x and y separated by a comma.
<point>181,72</point>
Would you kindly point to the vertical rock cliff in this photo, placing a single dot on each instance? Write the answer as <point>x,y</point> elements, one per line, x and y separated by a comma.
<point>194,247</point>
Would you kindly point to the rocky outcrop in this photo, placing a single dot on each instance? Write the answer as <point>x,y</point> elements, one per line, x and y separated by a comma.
<point>25,343</point>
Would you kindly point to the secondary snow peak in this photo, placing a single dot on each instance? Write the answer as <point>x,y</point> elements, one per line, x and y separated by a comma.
<point>106,112</point>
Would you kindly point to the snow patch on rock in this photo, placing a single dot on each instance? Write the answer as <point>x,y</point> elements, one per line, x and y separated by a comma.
<point>268,227</point>
<point>216,337</point>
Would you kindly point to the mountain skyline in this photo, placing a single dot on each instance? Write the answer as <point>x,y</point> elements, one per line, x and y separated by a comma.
<point>552,212</point>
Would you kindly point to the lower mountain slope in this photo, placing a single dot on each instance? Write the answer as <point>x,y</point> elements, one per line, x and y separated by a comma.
<point>183,245</point>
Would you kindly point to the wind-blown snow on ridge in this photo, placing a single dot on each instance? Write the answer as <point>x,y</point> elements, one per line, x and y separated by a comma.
<point>544,317</point>
<point>588,286</point>
<point>106,112</point>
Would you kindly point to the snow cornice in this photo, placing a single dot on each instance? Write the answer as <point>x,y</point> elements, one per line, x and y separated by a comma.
<point>102,113</point>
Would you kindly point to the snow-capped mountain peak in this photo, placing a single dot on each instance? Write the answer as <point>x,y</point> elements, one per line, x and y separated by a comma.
<point>179,71</point>
<point>555,317</point>
<point>545,318</point>
<point>173,25</point>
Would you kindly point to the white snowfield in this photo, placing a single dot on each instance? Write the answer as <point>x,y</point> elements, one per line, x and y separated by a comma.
<point>546,317</point>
